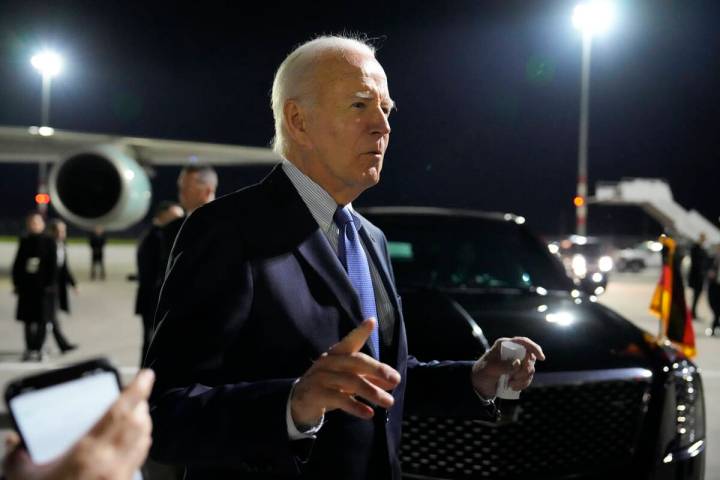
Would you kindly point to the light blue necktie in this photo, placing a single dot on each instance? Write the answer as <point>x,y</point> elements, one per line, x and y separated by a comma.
<point>353,258</point>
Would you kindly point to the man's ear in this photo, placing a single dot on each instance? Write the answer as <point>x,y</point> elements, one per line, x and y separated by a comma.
<point>296,118</point>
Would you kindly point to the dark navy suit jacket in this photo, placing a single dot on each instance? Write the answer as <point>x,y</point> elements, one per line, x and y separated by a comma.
<point>254,294</point>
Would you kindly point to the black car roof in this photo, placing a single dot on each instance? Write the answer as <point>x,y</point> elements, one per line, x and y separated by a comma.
<point>440,212</point>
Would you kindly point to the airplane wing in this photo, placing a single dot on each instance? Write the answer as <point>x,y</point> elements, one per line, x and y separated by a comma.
<point>102,180</point>
<point>33,145</point>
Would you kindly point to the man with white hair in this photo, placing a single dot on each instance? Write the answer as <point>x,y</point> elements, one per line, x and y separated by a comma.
<point>280,350</point>
<point>197,185</point>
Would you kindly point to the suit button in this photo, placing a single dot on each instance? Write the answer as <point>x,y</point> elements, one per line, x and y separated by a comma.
<point>387,417</point>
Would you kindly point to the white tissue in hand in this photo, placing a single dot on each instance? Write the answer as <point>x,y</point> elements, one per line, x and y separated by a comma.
<point>509,351</point>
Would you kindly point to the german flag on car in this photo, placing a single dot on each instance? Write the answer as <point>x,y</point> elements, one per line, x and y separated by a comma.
<point>668,301</point>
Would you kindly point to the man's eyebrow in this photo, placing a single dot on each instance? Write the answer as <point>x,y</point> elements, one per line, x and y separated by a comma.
<point>368,95</point>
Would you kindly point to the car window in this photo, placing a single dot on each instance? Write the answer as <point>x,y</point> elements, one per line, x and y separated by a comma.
<point>468,252</point>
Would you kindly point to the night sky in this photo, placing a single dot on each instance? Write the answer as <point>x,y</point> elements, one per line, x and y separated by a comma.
<point>487,93</point>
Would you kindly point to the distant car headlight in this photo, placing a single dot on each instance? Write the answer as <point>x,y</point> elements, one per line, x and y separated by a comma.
<point>605,264</point>
<point>654,246</point>
<point>688,426</point>
<point>579,265</point>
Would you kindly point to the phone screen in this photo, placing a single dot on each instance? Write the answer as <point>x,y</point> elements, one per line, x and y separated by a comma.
<point>52,419</point>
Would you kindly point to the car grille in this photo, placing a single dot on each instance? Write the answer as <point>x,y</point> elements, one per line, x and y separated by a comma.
<point>557,430</point>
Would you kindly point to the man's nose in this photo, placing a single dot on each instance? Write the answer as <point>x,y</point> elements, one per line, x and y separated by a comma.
<point>380,123</point>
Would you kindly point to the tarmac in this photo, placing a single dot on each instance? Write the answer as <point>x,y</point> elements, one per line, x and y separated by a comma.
<point>102,323</point>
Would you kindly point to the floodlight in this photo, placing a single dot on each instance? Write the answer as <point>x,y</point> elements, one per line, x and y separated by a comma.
<point>48,63</point>
<point>594,16</point>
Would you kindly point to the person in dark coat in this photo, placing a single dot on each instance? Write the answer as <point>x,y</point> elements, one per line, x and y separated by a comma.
<point>714,289</point>
<point>97,241</point>
<point>196,187</point>
<point>151,269</point>
<point>63,278</point>
<point>33,276</point>
<point>698,271</point>
<point>280,348</point>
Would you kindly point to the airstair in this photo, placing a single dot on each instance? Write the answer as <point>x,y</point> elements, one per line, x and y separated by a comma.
<point>655,197</point>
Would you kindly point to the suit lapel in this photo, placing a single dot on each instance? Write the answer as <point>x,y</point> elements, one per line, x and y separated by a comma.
<point>319,255</point>
<point>302,232</point>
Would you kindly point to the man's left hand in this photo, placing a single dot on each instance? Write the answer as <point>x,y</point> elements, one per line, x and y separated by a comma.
<point>487,369</point>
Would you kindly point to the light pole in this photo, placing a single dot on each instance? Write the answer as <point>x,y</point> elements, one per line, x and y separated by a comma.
<point>49,65</point>
<point>591,17</point>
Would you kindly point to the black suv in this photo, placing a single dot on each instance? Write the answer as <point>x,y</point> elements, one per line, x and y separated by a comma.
<point>609,402</point>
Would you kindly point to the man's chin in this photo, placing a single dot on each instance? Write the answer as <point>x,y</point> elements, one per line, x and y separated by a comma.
<point>372,177</point>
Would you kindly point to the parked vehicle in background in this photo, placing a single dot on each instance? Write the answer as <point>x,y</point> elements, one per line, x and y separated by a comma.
<point>609,401</point>
<point>587,260</point>
<point>639,257</point>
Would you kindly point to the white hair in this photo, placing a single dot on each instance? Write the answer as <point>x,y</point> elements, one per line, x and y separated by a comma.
<point>293,75</point>
<point>204,174</point>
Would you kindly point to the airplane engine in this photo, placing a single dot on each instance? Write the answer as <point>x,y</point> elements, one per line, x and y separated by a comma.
<point>103,186</point>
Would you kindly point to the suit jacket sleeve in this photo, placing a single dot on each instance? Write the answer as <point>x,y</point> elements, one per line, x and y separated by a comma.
<point>444,388</point>
<point>18,269</point>
<point>204,415</point>
<point>70,278</point>
<point>148,258</point>
<point>440,388</point>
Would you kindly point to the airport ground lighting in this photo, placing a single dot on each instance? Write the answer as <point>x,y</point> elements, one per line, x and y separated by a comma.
<point>592,17</point>
<point>49,64</point>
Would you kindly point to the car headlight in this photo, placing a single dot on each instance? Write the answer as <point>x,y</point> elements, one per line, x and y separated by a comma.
<point>605,264</point>
<point>688,425</point>
<point>579,265</point>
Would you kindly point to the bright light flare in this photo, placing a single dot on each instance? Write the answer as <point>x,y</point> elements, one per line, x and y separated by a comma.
<point>42,131</point>
<point>605,263</point>
<point>654,246</point>
<point>42,198</point>
<point>47,62</point>
<point>594,16</point>
<point>579,265</point>
<point>563,319</point>
<point>579,239</point>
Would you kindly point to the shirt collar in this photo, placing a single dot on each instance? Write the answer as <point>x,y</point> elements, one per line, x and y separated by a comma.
<point>321,205</point>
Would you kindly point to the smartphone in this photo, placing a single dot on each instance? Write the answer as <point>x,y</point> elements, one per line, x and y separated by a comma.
<point>53,410</point>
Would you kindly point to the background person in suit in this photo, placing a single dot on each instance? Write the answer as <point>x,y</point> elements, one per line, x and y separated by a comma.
<point>268,363</point>
<point>699,263</point>
<point>151,270</point>
<point>63,278</point>
<point>97,242</point>
<point>714,289</point>
<point>197,185</point>
<point>33,276</point>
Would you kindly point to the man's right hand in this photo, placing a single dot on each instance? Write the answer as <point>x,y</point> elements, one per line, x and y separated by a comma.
<point>339,376</point>
<point>113,449</point>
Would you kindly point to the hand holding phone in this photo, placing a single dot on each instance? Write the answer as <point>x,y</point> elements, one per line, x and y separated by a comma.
<point>114,447</point>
